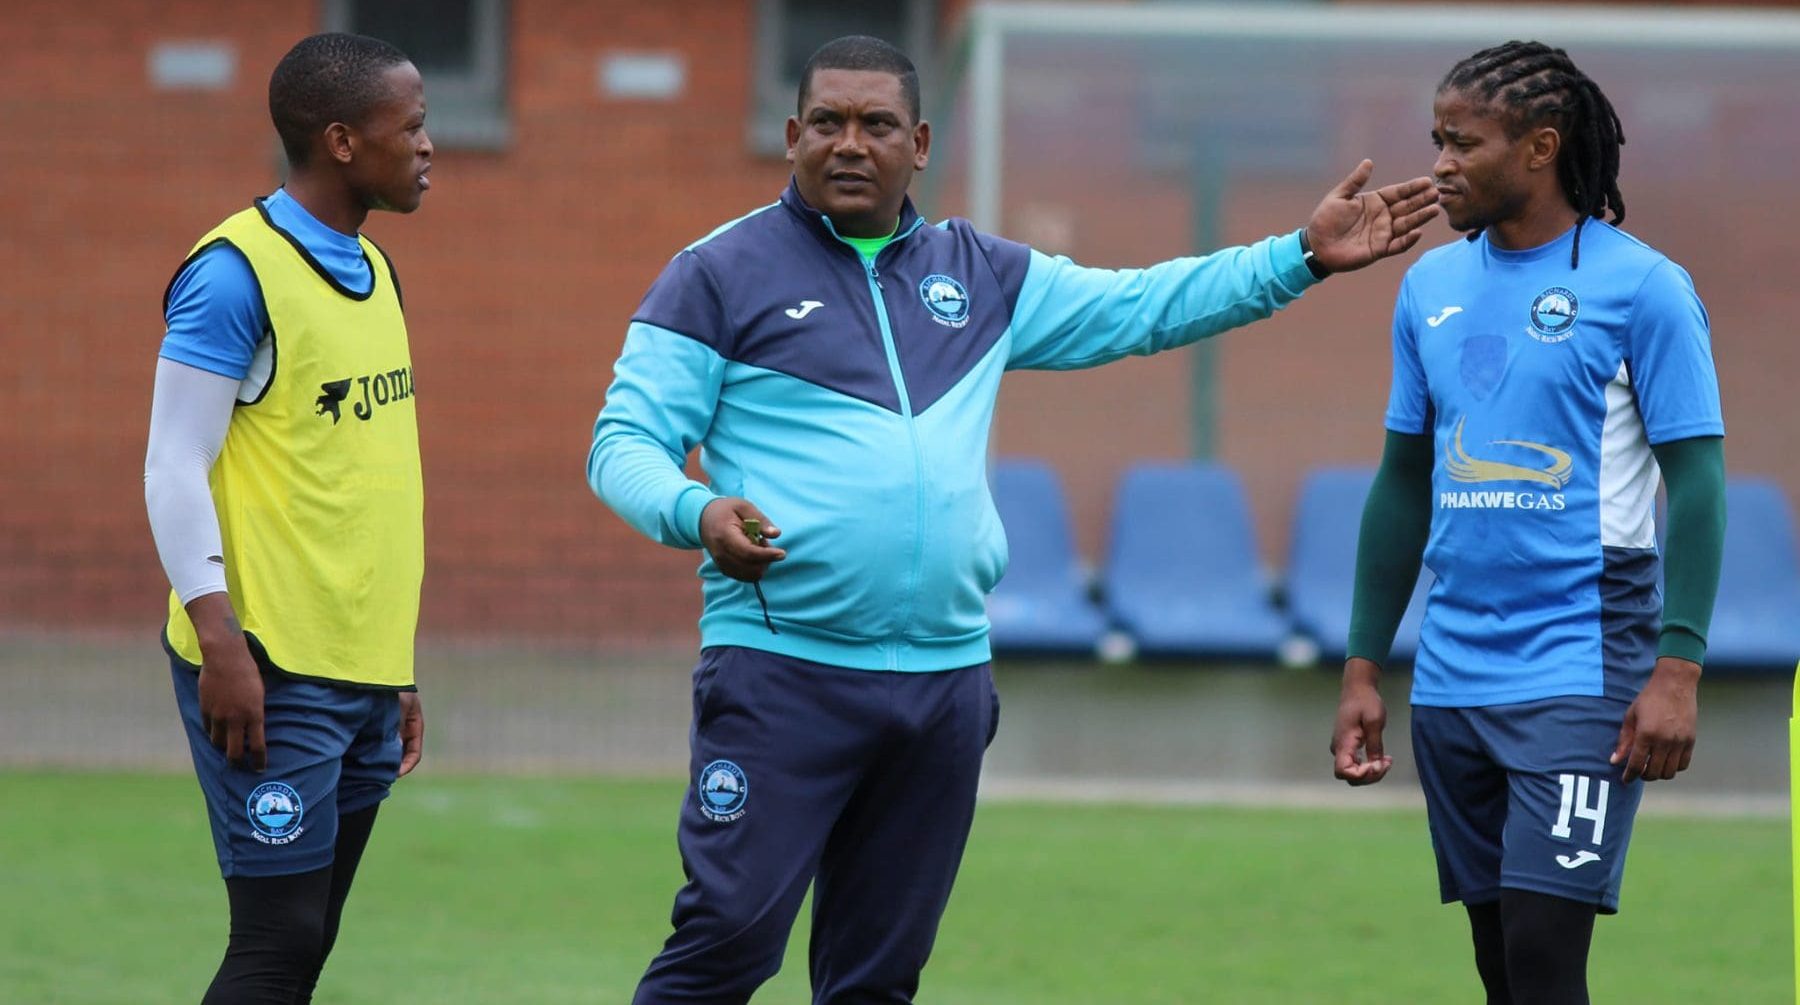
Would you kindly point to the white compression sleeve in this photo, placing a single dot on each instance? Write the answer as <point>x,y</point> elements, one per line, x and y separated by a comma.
<point>189,414</point>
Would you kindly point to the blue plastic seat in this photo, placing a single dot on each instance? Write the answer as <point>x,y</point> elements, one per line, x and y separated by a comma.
<point>1756,620</point>
<point>1321,580</point>
<point>1042,603</point>
<point>1182,576</point>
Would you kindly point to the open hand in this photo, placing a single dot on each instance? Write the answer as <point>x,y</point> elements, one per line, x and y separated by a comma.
<point>1352,228</point>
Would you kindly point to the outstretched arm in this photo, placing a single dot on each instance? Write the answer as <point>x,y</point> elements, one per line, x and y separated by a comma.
<point>1068,316</point>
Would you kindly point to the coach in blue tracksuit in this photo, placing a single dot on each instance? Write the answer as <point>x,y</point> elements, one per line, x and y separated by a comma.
<point>836,360</point>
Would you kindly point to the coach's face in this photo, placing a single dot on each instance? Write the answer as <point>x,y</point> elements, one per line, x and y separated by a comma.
<point>391,152</point>
<point>854,148</point>
<point>1483,174</point>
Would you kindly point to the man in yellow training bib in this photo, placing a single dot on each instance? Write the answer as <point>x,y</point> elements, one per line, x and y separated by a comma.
<point>283,486</point>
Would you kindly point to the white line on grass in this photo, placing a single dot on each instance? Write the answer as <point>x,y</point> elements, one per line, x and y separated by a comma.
<point>1314,795</point>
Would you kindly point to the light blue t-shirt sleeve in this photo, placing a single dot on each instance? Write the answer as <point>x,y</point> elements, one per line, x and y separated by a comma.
<point>1669,355</point>
<point>665,389</point>
<point>1409,400</point>
<point>216,315</point>
<point>1069,316</point>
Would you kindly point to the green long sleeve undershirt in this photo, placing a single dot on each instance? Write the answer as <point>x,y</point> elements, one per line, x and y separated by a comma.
<point>1397,520</point>
<point>1694,476</point>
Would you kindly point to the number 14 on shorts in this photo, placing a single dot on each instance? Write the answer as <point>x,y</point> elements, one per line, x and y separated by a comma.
<point>1575,792</point>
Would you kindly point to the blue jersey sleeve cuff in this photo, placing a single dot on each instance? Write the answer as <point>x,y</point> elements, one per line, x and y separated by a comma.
<point>1686,431</point>
<point>228,368</point>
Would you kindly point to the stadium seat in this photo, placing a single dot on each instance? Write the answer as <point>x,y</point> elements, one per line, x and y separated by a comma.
<point>1321,577</point>
<point>1182,576</point>
<point>1756,620</point>
<point>1042,604</point>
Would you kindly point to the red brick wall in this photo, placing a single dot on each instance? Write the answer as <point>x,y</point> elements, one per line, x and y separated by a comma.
<point>103,186</point>
<point>521,271</point>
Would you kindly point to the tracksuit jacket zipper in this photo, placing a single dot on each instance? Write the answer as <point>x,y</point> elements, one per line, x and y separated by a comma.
<point>872,272</point>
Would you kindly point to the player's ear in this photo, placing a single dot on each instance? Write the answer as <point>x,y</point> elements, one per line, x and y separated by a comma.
<point>1546,143</point>
<point>338,145</point>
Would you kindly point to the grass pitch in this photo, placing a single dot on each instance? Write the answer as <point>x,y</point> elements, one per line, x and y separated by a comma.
<point>515,890</point>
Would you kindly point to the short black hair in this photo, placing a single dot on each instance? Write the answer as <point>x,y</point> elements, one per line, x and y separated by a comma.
<point>863,52</point>
<point>333,77</point>
<point>1535,85</point>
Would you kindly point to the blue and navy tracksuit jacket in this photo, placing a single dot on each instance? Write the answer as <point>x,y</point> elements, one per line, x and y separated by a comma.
<point>851,402</point>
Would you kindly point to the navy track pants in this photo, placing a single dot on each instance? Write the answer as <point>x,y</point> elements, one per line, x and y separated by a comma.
<point>861,782</point>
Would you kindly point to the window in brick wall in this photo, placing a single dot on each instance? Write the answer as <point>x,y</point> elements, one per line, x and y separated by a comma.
<point>459,47</point>
<point>789,31</point>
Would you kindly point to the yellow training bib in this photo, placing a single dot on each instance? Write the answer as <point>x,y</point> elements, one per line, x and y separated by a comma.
<point>318,486</point>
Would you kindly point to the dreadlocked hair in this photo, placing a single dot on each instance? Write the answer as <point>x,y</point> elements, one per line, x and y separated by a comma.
<point>1536,85</point>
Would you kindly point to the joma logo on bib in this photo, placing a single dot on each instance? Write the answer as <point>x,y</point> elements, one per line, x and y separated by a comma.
<point>365,393</point>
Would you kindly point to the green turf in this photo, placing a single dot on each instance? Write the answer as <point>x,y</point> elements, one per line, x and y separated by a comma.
<point>547,891</point>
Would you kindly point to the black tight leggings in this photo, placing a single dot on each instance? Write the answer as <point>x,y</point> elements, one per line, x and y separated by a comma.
<point>283,927</point>
<point>1533,948</point>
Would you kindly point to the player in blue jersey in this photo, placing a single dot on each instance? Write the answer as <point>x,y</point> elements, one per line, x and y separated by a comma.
<point>1544,370</point>
<point>836,361</point>
<point>296,574</point>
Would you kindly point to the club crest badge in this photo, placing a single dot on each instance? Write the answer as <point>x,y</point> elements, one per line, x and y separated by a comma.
<point>723,791</point>
<point>275,813</point>
<point>946,299</point>
<point>1553,315</point>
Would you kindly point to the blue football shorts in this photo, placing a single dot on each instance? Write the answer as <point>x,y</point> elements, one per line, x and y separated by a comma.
<point>332,750</point>
<point>1521,797</point>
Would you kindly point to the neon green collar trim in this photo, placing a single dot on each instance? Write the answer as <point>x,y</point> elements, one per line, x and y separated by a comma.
<point>869,247</point>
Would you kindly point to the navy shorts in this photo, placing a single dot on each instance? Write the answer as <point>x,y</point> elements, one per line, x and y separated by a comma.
<point>1522,797</point>
<point>332,751</point>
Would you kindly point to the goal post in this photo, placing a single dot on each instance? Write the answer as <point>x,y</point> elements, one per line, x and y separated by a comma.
<point>1220,116</point>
